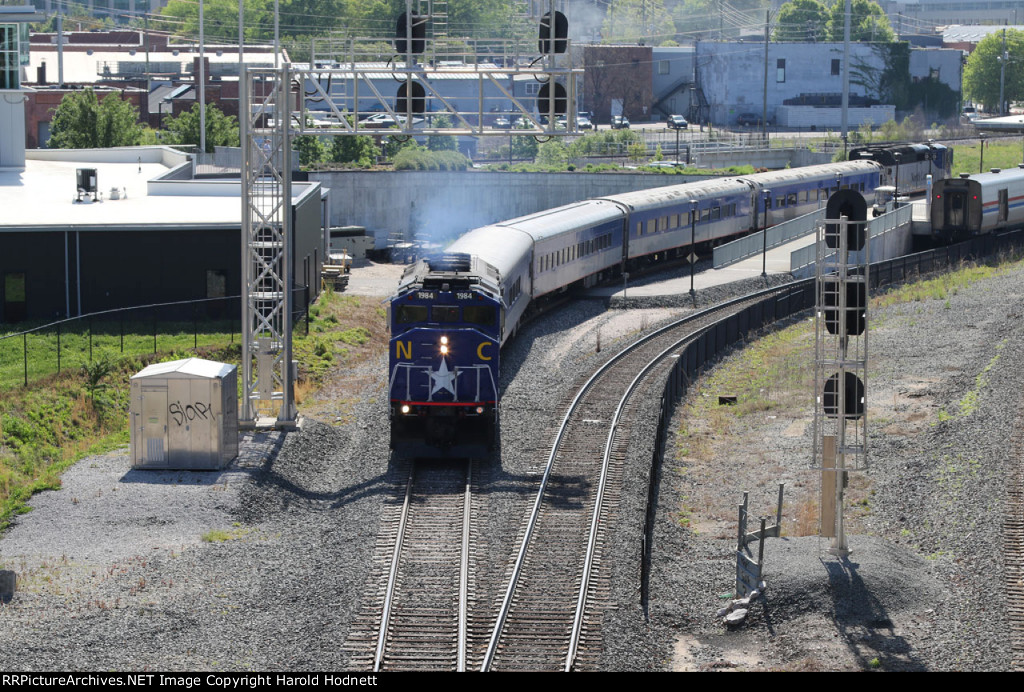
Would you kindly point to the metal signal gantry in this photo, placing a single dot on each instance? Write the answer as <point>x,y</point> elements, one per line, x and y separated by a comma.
<point>394,96</point>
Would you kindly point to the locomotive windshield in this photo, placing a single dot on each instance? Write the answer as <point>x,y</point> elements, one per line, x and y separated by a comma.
<point>444,313</point>
<point>479,314</point>
<point>407,314</point>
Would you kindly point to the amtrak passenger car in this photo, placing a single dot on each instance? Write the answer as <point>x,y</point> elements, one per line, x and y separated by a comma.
<point>452,313</point>
<point>979,203</point>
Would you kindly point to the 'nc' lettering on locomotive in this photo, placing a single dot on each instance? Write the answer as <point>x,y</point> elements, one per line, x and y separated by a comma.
<point>480,350</point>
<point>403,349</point>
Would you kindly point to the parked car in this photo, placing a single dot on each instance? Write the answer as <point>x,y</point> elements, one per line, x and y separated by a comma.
<point>749,120</point>
<point>620,122</point>
<point>583,121</point>
<point>677,122</point>
<point>502,123</point>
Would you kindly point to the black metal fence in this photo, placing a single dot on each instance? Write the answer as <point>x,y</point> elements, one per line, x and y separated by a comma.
<point>51,348</point>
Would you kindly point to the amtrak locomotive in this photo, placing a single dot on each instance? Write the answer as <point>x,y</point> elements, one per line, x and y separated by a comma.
<point>452,313</point>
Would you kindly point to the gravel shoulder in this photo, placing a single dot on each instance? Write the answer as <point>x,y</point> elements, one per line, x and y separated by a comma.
<point>114,573</point>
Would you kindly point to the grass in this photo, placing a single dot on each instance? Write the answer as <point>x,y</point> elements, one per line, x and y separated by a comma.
<point>777,372</point>
<point>61,418</point>
<point>79,344</point>
<point>1006,154</point>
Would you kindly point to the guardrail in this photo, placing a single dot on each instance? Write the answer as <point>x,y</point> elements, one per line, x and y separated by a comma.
<point>801,261</point>
<point>753,244</point>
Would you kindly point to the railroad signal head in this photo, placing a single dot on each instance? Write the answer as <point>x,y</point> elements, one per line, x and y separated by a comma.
<point>417,32</point>
<point>411,103</point>
<point>856,304</point>
<point>853,397</point>
<point>851,204</point>
<point>544,97</point>
<point>557,43</point>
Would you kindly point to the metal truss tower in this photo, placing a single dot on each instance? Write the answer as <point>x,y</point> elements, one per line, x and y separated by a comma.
<point>841,357</point>
<point>268,388</point>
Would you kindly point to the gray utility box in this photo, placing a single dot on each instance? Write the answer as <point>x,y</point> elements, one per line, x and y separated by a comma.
<point>184,415</point>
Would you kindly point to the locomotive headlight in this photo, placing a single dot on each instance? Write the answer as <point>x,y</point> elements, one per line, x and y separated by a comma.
<point>444,339</point>
<point>444,350</point>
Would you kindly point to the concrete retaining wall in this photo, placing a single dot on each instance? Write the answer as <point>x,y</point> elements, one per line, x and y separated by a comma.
<point>443,205</point>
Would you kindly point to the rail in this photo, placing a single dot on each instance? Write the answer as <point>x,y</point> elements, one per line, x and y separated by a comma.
<point>726,332</point>
<point>560,436</point>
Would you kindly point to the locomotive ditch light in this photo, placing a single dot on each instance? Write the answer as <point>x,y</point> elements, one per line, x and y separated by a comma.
<point>405,408</point>
<point>479,409</point>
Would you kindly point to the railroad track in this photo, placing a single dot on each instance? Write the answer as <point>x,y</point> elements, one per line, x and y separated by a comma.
<point>550,616</point>
<point>418,617</point>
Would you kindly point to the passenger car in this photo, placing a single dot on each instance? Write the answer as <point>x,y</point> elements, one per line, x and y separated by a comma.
<point>620,122</point>
<point>748,119</point>
<point>677,122</point>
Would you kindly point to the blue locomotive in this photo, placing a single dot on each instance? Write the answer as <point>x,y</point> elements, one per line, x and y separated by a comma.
<point>452,313</point>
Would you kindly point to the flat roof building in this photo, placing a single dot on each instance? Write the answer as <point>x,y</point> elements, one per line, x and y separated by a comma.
<point>149,234</point>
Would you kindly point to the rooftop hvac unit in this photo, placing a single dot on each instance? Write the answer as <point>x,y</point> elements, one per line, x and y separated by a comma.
<point>86,184</point>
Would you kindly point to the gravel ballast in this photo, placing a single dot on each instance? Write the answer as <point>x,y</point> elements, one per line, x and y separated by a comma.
<point>114,572</point>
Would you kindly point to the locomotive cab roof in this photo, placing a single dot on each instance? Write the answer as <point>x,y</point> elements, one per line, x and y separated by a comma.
<point>450,271</point>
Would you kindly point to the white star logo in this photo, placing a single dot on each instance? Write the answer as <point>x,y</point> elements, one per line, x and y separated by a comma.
<point>443,379</point>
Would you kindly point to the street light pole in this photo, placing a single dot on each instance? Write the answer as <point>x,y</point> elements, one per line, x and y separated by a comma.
<point>981,166</point>
<point>764,234</point>
<point>693,238</point>
<point>896,194</point>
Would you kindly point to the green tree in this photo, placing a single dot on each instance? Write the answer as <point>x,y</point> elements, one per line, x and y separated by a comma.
<point>220,19</point>
<point>711,19</point>
<point>82,121</point>
<point>524,147</point>
<point>802,20</point>
<point>221,130</point>
<point>982,72</point>
<point>442,142</point>
<point>311,149</point>
<point>635,21</point>
<point>868,22</point>
<point>353,149</point>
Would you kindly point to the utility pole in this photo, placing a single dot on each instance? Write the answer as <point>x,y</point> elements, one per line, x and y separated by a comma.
<point>202,83</point>
<point>1003,59</point>
<point>846,71</point>
<point>764,96</point>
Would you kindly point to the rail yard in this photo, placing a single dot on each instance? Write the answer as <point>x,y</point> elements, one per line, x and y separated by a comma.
<point>125,579</point>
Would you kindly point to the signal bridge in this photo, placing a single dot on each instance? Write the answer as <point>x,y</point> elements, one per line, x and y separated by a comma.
<point>374,90</point>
